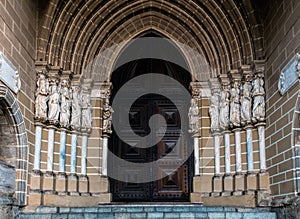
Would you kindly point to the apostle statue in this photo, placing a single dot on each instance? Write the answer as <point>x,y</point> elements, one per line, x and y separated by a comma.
<point>54,104</point>
<point>259,100</point>
<point>235,105</point>
<point>41,98</point>
<point>214,112</point>
<point>107,117</point>
<point>246,103</point>
<point>76,109</point>
<point>224,109</point>
<point>65,105</point>
<point>194,117</point>
<point>86,110</point>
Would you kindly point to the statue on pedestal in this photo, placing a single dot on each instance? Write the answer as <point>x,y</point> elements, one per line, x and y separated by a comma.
<point>76,109</point>
<point>214,112</point>
<point>246,102</point>
<point>107,117</point>
<point>224,109</point>
<point>54,104</point>
<point>86,110</point>
<point>194,117</point>
<point>235,119</point>
<point>259,100</point>
<point>65,105</point>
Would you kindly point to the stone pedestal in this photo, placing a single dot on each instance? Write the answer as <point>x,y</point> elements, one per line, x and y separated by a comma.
<point>239,184</point>
<point>263,181</point>
<point>61,184</point>
<point>98,184</point>
<point>36,182</point>
<point>217,186</point>
<point>73,185</point>
<point>251,183</point>
<point>84,185</point>
<point>228,185</point>
<point>49,183</point>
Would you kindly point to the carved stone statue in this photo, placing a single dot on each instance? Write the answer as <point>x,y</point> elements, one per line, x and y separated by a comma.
<point>259,100</point>
<point>76,109</point>
<point>65,106</point>
<point>194,117</point>
<point>17,81</point>
<point>224,109</point>
<point>246,103</point>
<point>235,105</point>
<point>86,109</point>
<point>41,98</point>
<point>214,112</point>
<point>107,117</point>
<point>54,104</point>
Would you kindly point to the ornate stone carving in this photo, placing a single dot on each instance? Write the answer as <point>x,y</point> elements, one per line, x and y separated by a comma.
<point>86,108</point>
<point>224,102</point>
<point>107,117</point>
<point>41,97</point>
<point>235,118</point>
<point>76,109</point>
<point>65,104</point>
<point>54,102</point>
<point>246,103</point>
<point>214,111</point>
<point>194,117</point>
<point>258,93</point>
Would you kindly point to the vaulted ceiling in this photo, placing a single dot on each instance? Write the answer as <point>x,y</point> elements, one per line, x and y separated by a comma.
<point>226,33</point>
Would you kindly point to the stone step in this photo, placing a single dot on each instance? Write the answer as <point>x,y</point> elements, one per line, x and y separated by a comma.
<point>149,211</point>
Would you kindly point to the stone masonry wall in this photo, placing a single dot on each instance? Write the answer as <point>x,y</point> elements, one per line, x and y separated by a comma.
<point>282,42</point>
<point>18,44</point>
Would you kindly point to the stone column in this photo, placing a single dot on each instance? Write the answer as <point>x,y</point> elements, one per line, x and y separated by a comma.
<point>214,112</point>
<point>86,129</point>
<point>53,121</point>
<point>37,146</point>
<point>258,118</point>
<point>194,124</point>
<point>104,156</point>
<point>76,128</point>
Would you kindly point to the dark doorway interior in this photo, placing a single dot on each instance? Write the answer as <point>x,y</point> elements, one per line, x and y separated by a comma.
<point>176,186</point>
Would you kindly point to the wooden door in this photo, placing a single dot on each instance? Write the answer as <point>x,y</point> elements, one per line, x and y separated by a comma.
<point>174,187</point>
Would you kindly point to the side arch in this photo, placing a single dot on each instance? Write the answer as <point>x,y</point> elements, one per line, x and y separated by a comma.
<point>9,106</point>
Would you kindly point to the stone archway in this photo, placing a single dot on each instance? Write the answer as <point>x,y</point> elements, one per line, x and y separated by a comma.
<point>13,152</point>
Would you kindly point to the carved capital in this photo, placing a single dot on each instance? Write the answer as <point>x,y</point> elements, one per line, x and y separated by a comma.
<point>196,89</point>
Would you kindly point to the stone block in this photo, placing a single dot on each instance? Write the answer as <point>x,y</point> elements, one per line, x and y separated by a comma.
<point>83,185</point>
<point>73,185</point>
<point>187,215</point>
<point>138,215</point>
<point>202,184</point>
<point>105,216</point>
<point>195,197</point>
<point>251,182</point>
<point>217,184</point>
<point>216,215</point>
<point>35,199</point>
<point>98,184</point>
<point>263,181</point>
<point>90,215</point>
<point>234,215</point>
<point>35,182</point>
<point>228,183</point>
<point>105,198</point>
<point>155,215</point>
<point>61,185</point>
<point>105,209</point>
<point>239,184</point>
<point>48,183</point>
<point>172,215</point>
<point>201,215</point>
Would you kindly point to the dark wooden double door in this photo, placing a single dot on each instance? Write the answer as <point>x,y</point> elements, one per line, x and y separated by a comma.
<point>175,186</point>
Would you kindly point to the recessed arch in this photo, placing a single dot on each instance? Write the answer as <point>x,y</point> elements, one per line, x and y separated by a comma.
<point>9,105</point>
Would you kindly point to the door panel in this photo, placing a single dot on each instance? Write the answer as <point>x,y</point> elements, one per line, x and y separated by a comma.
<point>174,187</point>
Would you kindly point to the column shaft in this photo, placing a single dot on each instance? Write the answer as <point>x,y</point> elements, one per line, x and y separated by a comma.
<point>196,155</point>
<point>238,154</point>
<point>262,150</point>
<point>249,149</point>
<point>83,154</point>
<point>217,154</point>
<point>38,146</point>
<point>62,151</point>
<point>227,153</point>
<point>104,156</point>
<point>73,153</point>
<point>50,150</point>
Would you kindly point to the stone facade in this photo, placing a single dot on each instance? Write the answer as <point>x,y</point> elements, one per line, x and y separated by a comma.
<point>56,154</point>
